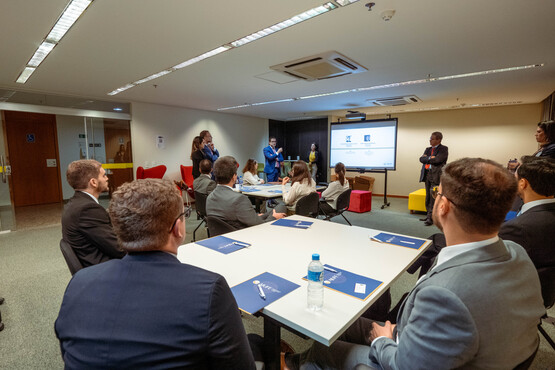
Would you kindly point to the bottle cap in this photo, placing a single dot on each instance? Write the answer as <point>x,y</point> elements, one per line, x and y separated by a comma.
<point>316,257</point>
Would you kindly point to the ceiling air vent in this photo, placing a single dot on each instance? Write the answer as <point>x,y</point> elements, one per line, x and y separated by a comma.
<point>398,100</point>
<point>319,67</point>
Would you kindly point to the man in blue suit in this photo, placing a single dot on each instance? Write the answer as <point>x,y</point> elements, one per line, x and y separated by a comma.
<point>272,160</point>
<point>148,310</point>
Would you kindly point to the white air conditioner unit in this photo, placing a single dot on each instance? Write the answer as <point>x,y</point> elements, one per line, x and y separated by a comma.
<point>398,100</point>
<point>319,67</point>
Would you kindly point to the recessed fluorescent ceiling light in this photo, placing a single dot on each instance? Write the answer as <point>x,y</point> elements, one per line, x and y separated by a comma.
<point>69,16</point>
<point>396,84</point>
<point>345,2</point>
<point>117,109</point>
<point>242,41</point>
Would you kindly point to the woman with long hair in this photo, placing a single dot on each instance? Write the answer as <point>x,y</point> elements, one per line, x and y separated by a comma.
<point>545,136</point>
<point>197,155</point>
<point>334,189</point>
<point>250,176</point>
<point>301,185</point>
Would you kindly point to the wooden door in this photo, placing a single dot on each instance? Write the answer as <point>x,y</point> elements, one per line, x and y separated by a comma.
<point>33,155</point>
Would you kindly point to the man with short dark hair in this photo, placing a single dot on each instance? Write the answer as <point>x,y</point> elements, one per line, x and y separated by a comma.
<point>534,227</point>
<point>204,183</point>
<point>234,207</point>
<point>209,150</point>
<point>477,308</point>
<point>272,159</point>
<point>433,160</point>
<point>148,310</point>
<point>85,223</point>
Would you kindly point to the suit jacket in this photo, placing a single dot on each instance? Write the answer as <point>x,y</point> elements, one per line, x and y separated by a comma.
<point>548,151</point>
<point>270,159</point>
<point>86,227</point>
<point>478,310</point>
<point>234,208</point>
<point>150,311</point>
<point>209,154</point>
<point>534,230</point>
<point>204,184</point>
<point>436,164</point>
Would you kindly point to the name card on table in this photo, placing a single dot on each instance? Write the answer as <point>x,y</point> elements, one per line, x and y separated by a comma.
<point>222,244</point>
<point>354,285</point>
<point>402,241</point>
<point>258,292</point>
<point>293,223</point>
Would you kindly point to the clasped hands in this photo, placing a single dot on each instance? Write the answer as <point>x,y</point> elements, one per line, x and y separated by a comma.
<point>381,331</point>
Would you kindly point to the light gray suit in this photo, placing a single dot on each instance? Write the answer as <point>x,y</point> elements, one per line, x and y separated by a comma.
<point>235,208</point>
<point>204,184</point>
<point>478,310</point>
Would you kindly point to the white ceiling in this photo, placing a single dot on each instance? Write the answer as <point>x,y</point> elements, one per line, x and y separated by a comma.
<point>117,42</point>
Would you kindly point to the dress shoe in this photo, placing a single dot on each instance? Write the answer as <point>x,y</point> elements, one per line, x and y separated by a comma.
<point>428,223</point>
<point>423,219</point>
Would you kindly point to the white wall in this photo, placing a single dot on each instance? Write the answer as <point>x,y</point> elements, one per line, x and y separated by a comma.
<point>497,133</point>
<point>240,136</point>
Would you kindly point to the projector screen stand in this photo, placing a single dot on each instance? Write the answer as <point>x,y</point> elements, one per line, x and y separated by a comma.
<point>384,171</point>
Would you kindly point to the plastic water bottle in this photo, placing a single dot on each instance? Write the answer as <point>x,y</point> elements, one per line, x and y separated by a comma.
<point>315,283</point>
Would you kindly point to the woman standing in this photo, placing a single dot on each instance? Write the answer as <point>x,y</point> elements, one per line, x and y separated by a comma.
<point>250,176</point>
<point>313,161</point>
<point>197,155</point>
<point>545,136</point>
<point>301,185</point>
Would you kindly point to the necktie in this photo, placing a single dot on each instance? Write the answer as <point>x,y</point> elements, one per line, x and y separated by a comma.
<point>431,154</point>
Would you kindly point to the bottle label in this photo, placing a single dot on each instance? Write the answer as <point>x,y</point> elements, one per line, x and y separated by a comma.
<point>316,276</point>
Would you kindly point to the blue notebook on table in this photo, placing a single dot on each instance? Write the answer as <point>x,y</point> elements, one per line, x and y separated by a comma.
<point>265,185</point>
<point>248,189</point>
<point>275,191</point>
<point>293,223</point>
<point>222,244</point>
<point>402,241</point>
<point>349,283</point>
<point>258,292</point>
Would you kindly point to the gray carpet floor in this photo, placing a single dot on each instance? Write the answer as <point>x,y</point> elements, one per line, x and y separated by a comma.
<point>33,277</point>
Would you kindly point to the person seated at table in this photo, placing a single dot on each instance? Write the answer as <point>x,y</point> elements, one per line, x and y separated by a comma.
<point>301,184</point>
<point>231,206</point>
<point>328,202</point>
<point>204,183</point>
<point>250,176</point>
<point>149,310</point>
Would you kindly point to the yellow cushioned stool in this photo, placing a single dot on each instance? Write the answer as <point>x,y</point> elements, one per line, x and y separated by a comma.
<point>417,201</point>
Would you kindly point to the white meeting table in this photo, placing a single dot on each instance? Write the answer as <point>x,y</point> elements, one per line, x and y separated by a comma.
<point>268,191</point>
<point>286,252</point>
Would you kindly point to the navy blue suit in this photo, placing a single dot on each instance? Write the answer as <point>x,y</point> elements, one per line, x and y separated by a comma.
<point>270,158</point>
<point>148,310</point>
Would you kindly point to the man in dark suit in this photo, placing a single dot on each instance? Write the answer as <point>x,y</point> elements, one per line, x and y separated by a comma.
<point>534,227</point>
<point>433,160</point>
<point>204,183</point>
<point>272,160</point>
<point>148,310</point>
<point>85,223</point>
<point>477,308</point>
<point>234,207</point>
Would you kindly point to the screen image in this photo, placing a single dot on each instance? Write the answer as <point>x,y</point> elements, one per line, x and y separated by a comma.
<point>368,145</point>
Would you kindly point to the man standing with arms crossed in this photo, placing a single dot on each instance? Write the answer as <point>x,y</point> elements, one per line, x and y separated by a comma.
<point>433,160</point>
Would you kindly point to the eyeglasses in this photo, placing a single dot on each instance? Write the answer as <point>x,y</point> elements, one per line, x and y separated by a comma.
<point>186,212</point>
<point>435,192</point>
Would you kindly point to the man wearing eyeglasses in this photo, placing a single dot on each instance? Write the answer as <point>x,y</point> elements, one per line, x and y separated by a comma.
<point>477,308</point>
<point>273,159</point>
<point>433,160</point>
<point>148,310</point>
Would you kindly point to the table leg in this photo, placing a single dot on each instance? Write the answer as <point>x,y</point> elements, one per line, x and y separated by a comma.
<point>271,344</point>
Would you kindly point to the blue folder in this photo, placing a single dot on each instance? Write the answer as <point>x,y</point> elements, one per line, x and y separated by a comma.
<point>292,223</point>
<point>402,241</point>
<point>222,244</point>
<point>248,296</point>
<point>249,189</point>
<point>275,191</point>
<point>349,283</point>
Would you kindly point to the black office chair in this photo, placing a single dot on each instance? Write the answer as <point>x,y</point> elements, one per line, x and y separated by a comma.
<point>343,201</point>
<point>308,205</point>
<point>200,206</point>
<point>547,281</point>
<point>71,258</point>
<point>217,226</point>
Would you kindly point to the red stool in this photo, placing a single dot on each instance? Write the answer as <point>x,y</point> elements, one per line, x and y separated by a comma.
<point>361,201</point>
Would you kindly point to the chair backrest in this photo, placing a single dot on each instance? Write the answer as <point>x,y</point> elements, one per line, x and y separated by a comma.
<point>200,203</point>
<point>187,175</point>
<point>71,258</point>
<point>217,226</point>
<point>308,205</point>
<point>140,173</point>
<point>343,200</point>
<point>155,172</point>
<point>547,281</point>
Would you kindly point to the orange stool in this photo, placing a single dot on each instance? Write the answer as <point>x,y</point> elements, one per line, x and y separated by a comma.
<point>361,201</point>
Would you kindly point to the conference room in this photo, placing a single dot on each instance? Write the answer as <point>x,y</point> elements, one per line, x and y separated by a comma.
<point>150,77</point>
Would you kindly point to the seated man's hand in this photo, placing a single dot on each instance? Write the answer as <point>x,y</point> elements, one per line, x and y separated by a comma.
<point>381,331</point>
<point>277,215</point>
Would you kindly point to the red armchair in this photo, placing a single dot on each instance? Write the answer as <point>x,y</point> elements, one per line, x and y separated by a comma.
<point>151,173</point>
